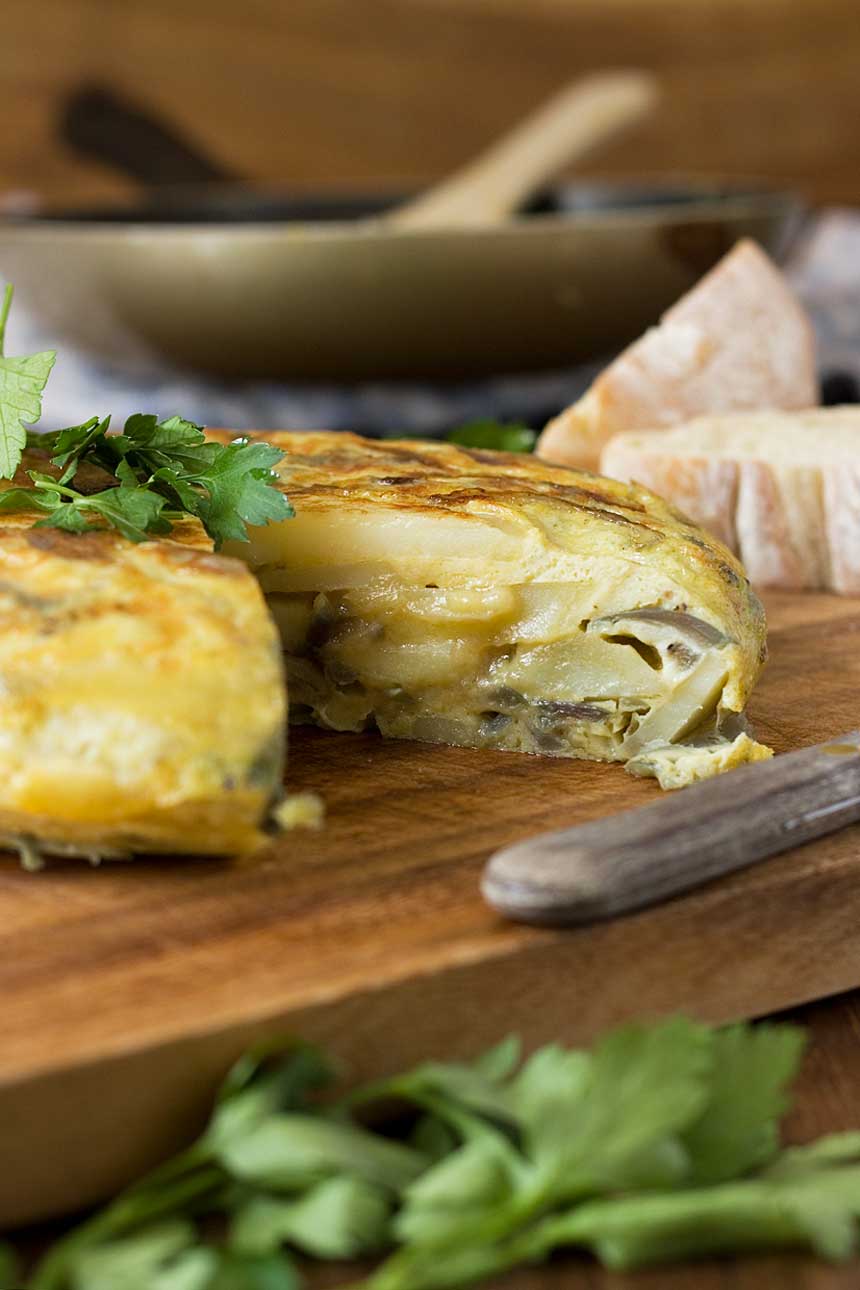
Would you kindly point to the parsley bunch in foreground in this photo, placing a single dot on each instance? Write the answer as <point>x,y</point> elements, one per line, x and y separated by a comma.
<point>158,471</point>
<point>661,1143</point>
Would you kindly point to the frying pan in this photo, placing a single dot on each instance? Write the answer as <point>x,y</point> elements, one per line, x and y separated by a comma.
<point>215,275</point>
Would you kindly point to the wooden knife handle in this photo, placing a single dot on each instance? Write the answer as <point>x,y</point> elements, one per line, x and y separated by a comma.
<point>643,856</point>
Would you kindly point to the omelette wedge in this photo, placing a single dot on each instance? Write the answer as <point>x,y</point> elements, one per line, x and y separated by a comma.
<point>142,703</point>
<point>487,599</point>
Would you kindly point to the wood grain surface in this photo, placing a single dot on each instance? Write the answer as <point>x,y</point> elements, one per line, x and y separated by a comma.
<point>127,990</point>
<point>328,93</point>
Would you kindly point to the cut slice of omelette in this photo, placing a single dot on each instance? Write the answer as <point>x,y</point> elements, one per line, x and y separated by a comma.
<point>487,599</point>
<point>142,703</point>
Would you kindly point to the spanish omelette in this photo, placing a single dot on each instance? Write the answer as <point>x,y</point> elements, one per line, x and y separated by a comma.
<point>435,592</point>
<point>487,599</point>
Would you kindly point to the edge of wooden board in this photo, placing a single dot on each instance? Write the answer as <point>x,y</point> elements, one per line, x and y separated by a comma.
<point>107,1121</point>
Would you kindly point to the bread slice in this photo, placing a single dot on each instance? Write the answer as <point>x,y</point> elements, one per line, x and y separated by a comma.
<point>782,490</point>
<point>739,340</point>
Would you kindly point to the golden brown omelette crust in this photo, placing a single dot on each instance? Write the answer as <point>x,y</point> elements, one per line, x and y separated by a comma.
<point>323,467</point>
<point>414,475</point>
<point>141,692</point>
<point>325,463</point>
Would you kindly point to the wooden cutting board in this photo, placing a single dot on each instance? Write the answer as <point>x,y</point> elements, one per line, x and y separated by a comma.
<point>128,989</point>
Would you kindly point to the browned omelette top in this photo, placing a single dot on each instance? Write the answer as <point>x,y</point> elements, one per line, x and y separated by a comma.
<point>578,513</point>
<point>414,473</point>
<point>141,691</point>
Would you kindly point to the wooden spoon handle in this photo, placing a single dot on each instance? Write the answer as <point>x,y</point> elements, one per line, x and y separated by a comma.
<point>567,127</point>
<point>639,857</point>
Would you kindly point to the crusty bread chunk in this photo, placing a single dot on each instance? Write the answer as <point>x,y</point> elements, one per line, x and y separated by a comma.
<point>739,340</point>
<point>781,489</point>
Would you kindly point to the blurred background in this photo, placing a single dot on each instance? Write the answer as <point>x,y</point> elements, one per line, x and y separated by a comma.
<point>355,93</point>
<point>320,96</point>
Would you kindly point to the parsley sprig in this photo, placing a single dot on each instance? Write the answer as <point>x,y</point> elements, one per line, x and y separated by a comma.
<point>22,381</point>
<point>159,471</point>
<point>660,1143</point>
<point>498,436</point>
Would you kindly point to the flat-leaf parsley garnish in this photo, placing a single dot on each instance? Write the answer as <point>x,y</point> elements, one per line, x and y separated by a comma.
<point>660,1143</point>
<point>155,472</point>
<point>22,381</point>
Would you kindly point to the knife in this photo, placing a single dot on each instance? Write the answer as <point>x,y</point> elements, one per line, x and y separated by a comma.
<point>640,857</point>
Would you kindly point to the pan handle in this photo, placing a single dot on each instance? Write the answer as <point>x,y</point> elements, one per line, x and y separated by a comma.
<point>573,123</point>
<point>102,126</point>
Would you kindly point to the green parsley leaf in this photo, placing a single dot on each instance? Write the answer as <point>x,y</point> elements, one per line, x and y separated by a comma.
<point>161,468</point>
<point>818,1211</point>
<point>275,1271</point>
<point>185,1184</point>
<point>67,518</point>
<point>458,1192</point>
<point>475,1087</point>
<point>500,1061</point>
<point>158,1258</point>
<point>151,445</point>
<point>285,1073</point>
<point>588,1123</point>
<point>739,1129</point>
<point>466,1104</point>
<point>834,1149</point>
<point>288,1152</point>
<point>69,445</point>
<point>145,431</point>
<point>551,1082</point>
<point>658,1144</point>
<point>28,499</point>
<point>494,435</point>
<point>261,1083</point>
<point>22,381</point>
<point>643,1084</point>
<point>134,511</point>
<point>238,494</point>
<point>433,1138</point>
<point>340,1218</point>
<point>187,496</point>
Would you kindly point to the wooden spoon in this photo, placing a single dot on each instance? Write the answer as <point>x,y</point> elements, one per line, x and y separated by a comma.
<point>573,123</point>
<point>643,856</point>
